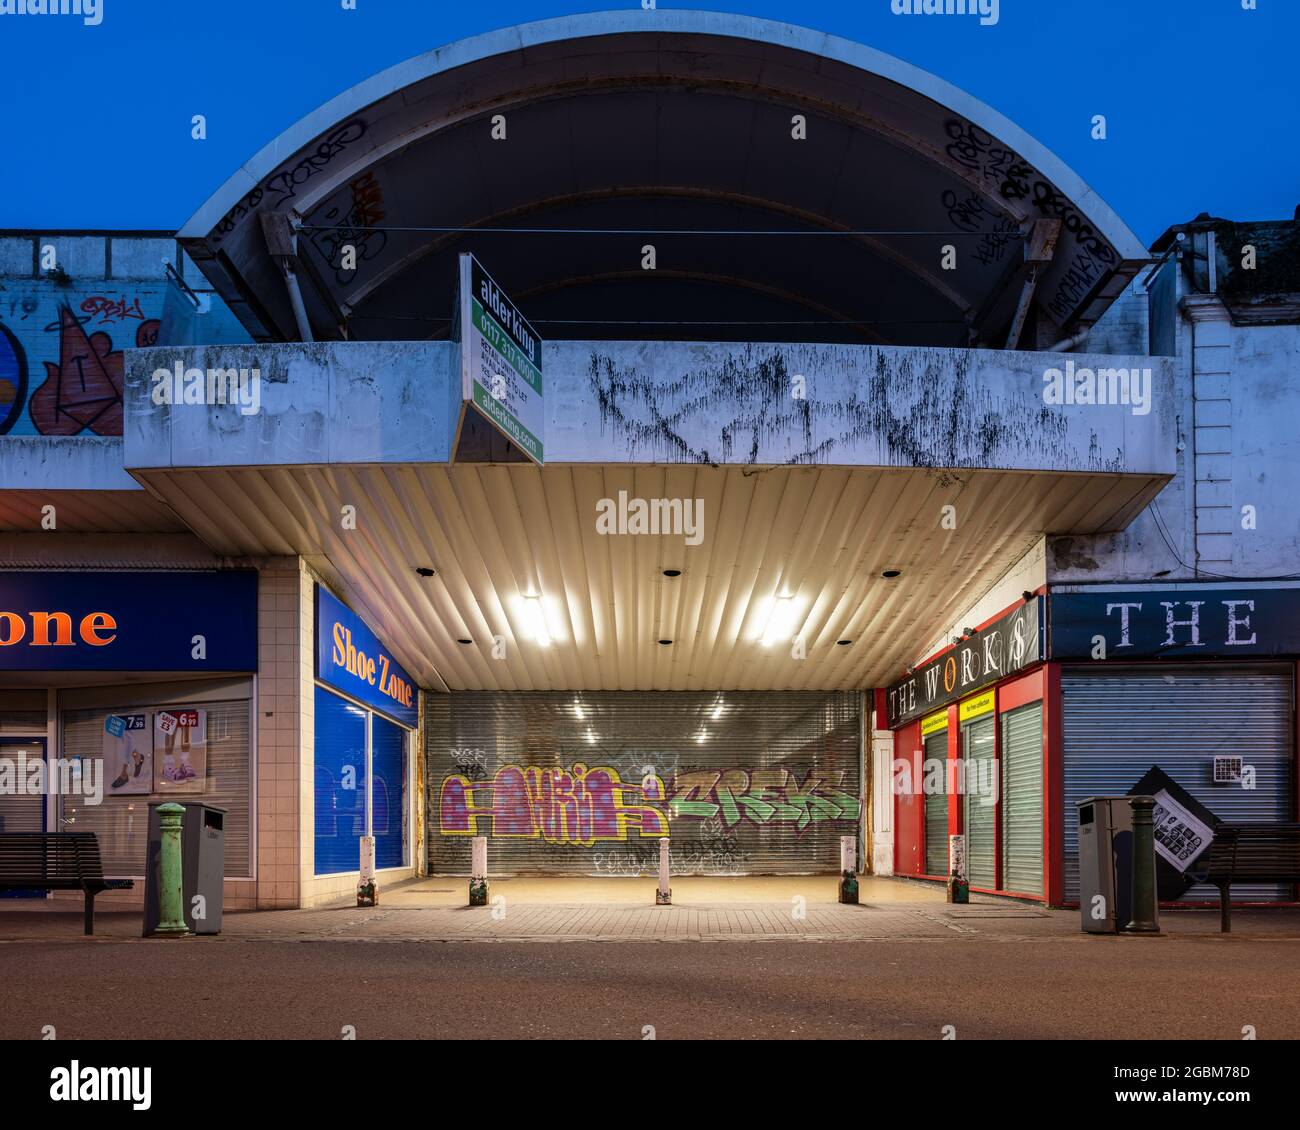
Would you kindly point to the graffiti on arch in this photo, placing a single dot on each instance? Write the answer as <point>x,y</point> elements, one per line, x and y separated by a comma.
<point>584,806</point>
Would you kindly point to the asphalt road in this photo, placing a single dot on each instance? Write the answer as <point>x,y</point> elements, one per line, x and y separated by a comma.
<point>1135,988</point>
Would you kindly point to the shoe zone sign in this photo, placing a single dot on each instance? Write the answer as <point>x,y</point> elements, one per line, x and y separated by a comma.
<point>128,621</point>
<point>1010,644</point>
<point>350,658</point>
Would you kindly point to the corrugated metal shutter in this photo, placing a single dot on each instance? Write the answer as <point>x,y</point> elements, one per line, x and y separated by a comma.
<point>977,747</point>
<point>1022,800</point>
<point>1119,723</point>
<point>340,775</point>
<point>936,810</point>
<point>586,783</point>
<point>20,811</point>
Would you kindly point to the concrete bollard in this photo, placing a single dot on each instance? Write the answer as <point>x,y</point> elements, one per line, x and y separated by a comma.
<point>367,888</point>
<point>664,892</point>
<point>478,881</point>
<point>171,894</point>
<point>1146,903</point>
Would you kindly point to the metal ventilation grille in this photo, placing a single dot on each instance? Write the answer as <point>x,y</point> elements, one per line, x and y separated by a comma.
<point>1119,723</point>
<point>587,783</point>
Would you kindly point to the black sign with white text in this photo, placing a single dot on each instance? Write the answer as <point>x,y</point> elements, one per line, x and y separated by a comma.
<point>1183,622</point>
<point>1006,646</point>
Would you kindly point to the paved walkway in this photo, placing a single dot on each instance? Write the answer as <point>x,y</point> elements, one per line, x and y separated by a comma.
<point>788,909</point>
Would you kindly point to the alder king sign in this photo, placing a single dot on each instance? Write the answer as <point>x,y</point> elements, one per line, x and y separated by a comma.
<point>501,361</point>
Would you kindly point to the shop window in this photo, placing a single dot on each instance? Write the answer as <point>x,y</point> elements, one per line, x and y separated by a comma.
<point>157,753</point>
<point>388,745</point>
<point>340,780</point>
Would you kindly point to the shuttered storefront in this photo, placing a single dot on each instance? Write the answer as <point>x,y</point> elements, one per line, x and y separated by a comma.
<point>1119,723</point>
<point>588,783</point>
<point>936,810</point>
<point>1022,799</point>
<point>980,817</point>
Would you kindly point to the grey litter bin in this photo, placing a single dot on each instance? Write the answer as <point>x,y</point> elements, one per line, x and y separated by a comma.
<point>203,864</point>
<point>1105,863</point>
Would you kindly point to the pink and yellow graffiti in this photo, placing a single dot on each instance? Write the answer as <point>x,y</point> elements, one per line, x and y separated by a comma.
<point>578,805</point>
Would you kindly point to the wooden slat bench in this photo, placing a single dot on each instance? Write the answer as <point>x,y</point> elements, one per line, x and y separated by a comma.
<point>56,861</point>
<point>1249,853</point>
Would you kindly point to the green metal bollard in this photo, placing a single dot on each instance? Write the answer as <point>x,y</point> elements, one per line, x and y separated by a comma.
<point>171,896</point>
<point>1145,904</point>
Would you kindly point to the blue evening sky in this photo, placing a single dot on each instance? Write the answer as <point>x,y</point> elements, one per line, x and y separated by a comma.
<point>1202,98</point>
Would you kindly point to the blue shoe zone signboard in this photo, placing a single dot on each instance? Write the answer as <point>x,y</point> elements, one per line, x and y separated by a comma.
<point>350,657</point>
<point>147,621</point>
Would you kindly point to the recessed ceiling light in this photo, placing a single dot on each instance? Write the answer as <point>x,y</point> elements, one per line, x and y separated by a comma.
<point>535,616</point>
<point>672,572</point>
<point>425,571</point>
<point>665,643</point>
<point>780,624</point>
<point>463,640</point>
<point>890,574</point>
<point>843,643</point>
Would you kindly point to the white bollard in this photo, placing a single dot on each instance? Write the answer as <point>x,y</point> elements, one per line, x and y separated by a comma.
<point>367,888</point>
<point>664,894</point>
<point>478,881</point>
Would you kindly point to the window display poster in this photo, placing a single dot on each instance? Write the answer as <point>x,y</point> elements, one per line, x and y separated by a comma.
<point>128,754</point>
<point>180,751</point>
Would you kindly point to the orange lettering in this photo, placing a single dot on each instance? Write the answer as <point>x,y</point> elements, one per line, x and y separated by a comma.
<point>17,628</point>
<point>41,629</point>
<point>93,624</point>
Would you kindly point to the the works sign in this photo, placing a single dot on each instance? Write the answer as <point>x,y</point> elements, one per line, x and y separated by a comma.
<point>1006,646</point>
<point>1188,623</point>
<point>350,657</point>
<point>184,621</point>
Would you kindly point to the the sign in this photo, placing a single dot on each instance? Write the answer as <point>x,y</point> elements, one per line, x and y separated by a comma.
<point>350,657</point>
<point>1006,646</point>
<point>107,621</point>
<point>1183,829</point>
<point>934,723</point>
<point>1187,622</point>
<point>501,360</point>
<point>976,707</point>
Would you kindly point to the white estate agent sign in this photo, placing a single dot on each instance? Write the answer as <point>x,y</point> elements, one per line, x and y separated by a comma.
<point>501,360</point>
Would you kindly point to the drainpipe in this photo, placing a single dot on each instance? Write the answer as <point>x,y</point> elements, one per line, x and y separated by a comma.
<point>281,243</point>
<point>1069,343</point>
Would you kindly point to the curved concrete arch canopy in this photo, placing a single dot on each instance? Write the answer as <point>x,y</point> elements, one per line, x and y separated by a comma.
<point>674,129</point>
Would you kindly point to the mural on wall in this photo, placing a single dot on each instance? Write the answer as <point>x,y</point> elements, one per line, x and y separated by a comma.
<point>581,806</point>
<point>80,349</point>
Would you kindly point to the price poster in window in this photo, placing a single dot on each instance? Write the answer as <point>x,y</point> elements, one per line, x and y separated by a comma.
<point>128,755</point>
<point>180,751</point>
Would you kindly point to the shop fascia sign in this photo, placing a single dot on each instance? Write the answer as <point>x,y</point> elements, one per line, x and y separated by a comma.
<point>500,362</point>
<point>1010,644</point>
<point>1173,621</point>
<point>351,658</point>
<point>141,621</point>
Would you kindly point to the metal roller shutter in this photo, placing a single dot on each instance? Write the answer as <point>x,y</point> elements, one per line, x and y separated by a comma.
<point>587,783</point>
<point>977,746</point>
<point>1119,723</point>
<point>1022,800</point>
<point>936,811</point>
<point>340,777</point>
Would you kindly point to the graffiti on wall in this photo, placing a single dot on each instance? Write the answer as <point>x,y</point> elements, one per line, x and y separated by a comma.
<point>79,350</point>
<point>575,805</point>
<point>583,806</point>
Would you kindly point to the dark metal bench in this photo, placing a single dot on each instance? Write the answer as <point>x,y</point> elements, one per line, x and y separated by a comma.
<point>56,861</point>
<point>1249,853</point>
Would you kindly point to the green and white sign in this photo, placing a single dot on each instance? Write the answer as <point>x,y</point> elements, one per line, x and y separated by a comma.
<point>501,360</point>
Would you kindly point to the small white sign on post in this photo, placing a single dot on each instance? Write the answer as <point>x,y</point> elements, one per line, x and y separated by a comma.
<point>848,854</point>
<point>478,865</point>
<point>957,856</point>
<point>367,858</point>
